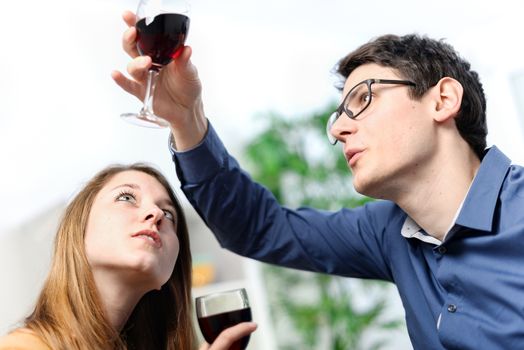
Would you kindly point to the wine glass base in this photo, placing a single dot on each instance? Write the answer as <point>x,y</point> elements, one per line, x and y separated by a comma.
<point>144,121</point>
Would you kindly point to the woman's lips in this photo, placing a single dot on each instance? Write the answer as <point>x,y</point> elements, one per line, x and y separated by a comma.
<point>149,236</point>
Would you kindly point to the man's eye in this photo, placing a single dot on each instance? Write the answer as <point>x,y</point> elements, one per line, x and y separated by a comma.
<point>364,98</point>
<point>169,215</point>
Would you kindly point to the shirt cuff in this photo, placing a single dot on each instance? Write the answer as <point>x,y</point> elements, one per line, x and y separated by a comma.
<point>201,162</point>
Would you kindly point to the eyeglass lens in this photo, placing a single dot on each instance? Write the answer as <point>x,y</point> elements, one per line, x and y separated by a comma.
<point>358,99</point>
<point>355,102</point>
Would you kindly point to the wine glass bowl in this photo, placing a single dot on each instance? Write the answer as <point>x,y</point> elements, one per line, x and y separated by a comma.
<point>163,38</point>
<point>162,27</point>
<point>221,310</point>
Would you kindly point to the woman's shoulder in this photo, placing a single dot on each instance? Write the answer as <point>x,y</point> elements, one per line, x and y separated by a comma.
<point>22,339</point>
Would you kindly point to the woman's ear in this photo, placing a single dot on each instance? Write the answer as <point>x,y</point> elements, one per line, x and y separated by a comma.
<point>448,98</point>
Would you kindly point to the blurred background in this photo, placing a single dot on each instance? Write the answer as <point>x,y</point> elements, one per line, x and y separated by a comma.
<point>59,120</point>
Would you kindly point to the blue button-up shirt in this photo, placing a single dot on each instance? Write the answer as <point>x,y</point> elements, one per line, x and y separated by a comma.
<point>465,293</point>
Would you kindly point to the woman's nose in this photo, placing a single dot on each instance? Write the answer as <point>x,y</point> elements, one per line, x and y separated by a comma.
<point>155,215</point>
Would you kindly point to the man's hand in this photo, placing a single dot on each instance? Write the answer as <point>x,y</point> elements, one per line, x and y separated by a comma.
<point>178,89</point>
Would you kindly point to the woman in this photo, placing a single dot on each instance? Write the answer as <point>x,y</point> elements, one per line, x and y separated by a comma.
<point>120,276</point>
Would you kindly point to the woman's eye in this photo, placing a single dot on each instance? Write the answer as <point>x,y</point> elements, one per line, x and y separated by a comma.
<point>125,197</point>
<point>169,215</point>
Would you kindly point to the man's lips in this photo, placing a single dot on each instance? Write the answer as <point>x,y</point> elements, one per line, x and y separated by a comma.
<point>352,155</point>
<point>149,236</point>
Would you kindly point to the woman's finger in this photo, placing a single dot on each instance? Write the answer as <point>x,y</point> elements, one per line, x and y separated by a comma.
<point>204,346</point>
<point>232,334</point>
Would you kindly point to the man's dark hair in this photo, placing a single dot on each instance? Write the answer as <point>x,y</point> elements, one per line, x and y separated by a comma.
<point>425,61</point>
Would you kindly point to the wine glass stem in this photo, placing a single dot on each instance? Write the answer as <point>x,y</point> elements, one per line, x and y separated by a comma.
<point>150,92</point>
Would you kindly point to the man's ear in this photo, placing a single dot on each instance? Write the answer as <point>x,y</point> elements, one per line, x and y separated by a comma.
<point>447,94</point>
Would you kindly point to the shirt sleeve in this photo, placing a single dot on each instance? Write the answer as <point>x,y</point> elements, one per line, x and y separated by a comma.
<point>247,219</point>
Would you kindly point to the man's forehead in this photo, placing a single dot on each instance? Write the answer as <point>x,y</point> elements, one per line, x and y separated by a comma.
<point>369,71</point>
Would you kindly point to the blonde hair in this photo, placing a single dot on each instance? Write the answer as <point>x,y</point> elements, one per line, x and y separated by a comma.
<point>69,314</point>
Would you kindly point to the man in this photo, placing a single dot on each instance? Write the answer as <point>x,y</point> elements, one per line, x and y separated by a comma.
<point>449,228</point>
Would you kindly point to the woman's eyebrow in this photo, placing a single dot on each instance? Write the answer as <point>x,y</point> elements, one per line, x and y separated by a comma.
<point>134,186</point>
<point>168,203</point>
<point>164,201</point>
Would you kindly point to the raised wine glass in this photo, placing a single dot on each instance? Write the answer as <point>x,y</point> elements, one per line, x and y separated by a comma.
<point>221,310</point>
<point>162,27</point>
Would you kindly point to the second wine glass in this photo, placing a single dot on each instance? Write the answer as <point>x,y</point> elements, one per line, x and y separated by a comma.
<point>218,311</point>
<point>162,27</point>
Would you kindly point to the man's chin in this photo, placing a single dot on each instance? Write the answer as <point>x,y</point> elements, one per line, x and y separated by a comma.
<point>360,186</point>
<point>365,188</point>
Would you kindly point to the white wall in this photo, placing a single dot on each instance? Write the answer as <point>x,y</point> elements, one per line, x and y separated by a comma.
<point>25,255</point>
<point>59,118</point>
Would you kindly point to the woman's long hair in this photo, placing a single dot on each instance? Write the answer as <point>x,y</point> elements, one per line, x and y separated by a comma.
<point>69,313</point>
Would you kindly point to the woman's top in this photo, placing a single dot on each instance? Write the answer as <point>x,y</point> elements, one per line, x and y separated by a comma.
<point>22,339</point>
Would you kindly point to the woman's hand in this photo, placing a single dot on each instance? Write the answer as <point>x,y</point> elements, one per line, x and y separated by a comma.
<point>230,335</point>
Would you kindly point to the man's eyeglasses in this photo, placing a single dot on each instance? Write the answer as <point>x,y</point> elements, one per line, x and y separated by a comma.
<point>357,100</point>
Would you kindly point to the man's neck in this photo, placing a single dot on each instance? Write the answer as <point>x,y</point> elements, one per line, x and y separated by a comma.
<point>434,198</point>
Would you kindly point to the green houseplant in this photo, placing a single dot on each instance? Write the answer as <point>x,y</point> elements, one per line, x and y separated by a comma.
<point>293,159</point>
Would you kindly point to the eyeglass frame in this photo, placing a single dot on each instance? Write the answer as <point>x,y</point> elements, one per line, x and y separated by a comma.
<point>343,109</point>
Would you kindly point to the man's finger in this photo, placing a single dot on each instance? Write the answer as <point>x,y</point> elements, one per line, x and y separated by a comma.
<point>139,67</point>
<point>129,37</point>
<point>129,17</point>
<point>183,65</point>
<point>128,85</point>
<point>129,42</point>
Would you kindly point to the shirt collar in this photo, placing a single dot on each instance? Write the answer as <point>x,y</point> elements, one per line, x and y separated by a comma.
<point>410,229</point>
<point>479,206</point>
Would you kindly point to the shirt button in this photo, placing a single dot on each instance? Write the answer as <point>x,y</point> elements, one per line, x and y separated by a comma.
<point>452,308</point>
<point>442,250</point>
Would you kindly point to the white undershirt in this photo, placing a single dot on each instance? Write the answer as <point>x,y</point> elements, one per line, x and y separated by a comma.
<point>410,229</point>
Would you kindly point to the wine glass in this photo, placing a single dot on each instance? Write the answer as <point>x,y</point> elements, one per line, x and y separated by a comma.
<point>221,310</point>
<point>162,27</point>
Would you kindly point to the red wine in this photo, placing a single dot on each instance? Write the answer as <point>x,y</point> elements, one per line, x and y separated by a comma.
<point>211,326</point>
<point>163,38</point>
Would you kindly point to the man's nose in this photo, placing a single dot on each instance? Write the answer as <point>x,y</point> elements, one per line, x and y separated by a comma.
<point>343,127</point>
